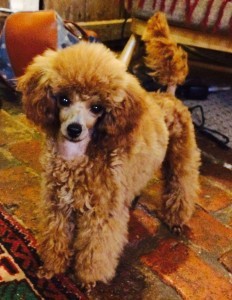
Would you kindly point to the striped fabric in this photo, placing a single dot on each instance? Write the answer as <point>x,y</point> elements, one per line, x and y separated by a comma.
<point>208,15</point>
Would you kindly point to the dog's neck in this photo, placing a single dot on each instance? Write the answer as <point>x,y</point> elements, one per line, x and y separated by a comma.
<point>72,150</point>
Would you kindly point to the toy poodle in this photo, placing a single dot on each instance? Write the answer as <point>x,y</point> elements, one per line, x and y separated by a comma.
<point>106,136</point>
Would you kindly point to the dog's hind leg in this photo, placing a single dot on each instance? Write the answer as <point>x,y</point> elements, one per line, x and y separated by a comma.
<point>180,167</point>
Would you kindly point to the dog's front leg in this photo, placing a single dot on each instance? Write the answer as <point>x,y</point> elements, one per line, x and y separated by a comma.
<point>55,245</point>
<point>100,240</point>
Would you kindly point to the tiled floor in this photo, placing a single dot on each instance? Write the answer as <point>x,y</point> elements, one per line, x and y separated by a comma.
<point>155,264</point>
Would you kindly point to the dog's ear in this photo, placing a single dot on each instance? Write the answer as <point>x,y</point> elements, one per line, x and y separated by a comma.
<point>123,116</point>
<point>34,85</point>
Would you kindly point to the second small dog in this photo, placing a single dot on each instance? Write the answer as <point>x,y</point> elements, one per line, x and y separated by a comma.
<point>106,137</point>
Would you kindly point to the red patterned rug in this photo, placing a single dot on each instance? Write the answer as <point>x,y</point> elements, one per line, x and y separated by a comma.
<point>19,262</point>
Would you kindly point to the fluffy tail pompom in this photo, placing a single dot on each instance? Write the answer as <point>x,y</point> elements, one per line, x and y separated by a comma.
<point>167,60</point>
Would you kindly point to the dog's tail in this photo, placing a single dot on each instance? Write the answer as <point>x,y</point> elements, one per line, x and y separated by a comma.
<point>167,61</point>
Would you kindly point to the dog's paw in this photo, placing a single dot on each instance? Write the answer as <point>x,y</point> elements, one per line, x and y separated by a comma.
<point>44,273</point>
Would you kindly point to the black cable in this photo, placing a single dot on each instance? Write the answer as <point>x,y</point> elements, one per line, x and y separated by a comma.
<point>224,140</point>
<point>126,16</point>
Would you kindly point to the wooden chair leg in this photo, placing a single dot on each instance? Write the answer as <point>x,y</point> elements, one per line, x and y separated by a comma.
<point>128,50</point>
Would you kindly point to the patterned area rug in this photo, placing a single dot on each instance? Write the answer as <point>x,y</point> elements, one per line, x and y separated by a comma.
<point>215,114</point>
<point>18,264</point>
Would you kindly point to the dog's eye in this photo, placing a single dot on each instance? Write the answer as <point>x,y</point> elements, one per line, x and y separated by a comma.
<point>64,101</point>
<point>96,109</point>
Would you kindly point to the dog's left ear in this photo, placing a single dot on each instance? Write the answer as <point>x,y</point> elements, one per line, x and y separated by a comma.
<point>123,116</point>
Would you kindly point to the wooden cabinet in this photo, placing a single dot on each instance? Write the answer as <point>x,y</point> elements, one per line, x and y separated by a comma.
<point>105,17</point>
<point>86,10</point>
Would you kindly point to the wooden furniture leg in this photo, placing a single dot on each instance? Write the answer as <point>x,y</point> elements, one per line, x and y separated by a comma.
<point>128,50</point>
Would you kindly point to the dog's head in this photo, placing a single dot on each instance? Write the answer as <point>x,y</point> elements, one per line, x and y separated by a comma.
<point>81,91</point>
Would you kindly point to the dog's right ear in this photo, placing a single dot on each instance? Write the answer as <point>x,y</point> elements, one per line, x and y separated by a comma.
<point>34,85</point>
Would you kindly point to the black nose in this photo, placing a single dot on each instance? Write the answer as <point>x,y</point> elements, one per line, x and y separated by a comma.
<point>74,130</point>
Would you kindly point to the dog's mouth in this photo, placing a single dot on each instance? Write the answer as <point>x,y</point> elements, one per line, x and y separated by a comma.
<point>74,140</point>
<point>71,148</point>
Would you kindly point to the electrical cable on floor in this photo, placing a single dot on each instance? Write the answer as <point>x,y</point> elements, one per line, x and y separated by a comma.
<point>216,135</point>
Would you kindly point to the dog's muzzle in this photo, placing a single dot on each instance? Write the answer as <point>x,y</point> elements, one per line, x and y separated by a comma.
<point>74,130</point>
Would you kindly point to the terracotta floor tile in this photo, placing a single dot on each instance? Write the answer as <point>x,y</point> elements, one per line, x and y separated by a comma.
<point>182,269</point>
<point>137,232</point>
<point>218,174</point>
<point>226,260</point>
<point>155,288</point>
<point>128,284</point>
<point>12,131</point>
<point>28,152</point>
<point>141,226</point>
<point>7,160</point>
<point>208,233</point>
<point>213,150</point>
<point>20,194</point>
<point>213,198</point>
<point>149,222</point>
<point>225,216</point>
